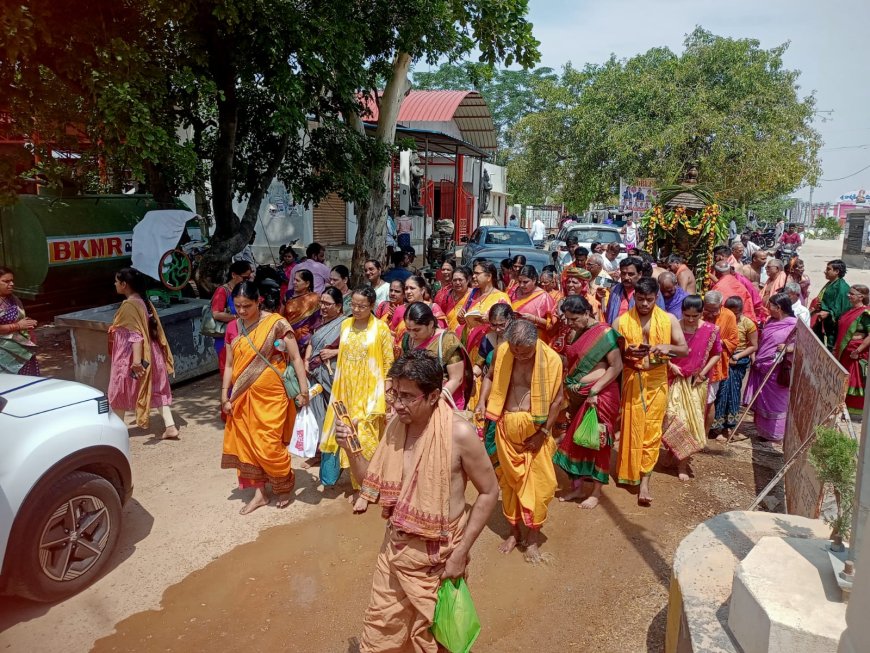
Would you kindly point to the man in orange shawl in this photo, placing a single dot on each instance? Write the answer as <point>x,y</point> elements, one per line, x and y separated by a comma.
<point>522,394</point>
<point>776,279</point>
<point>729,286</point>
<point>650,337</point>
<point>418,475</point>
<point>730,338</point>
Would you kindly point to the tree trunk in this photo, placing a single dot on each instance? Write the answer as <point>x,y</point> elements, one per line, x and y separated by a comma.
<point>371,234</point>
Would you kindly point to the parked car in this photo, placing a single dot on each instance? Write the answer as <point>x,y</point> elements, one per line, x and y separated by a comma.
<point>498,243</point>
<point>586,234</point>
<point>64,477</point>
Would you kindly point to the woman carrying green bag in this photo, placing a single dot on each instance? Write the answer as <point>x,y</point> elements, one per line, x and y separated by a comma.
<point>594,364</point>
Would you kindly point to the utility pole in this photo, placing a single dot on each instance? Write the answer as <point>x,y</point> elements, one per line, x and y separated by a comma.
<point>812,220</point>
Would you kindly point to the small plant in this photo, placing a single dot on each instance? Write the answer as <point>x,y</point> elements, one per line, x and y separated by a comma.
<point>827,228</point>
<point>835,457</point>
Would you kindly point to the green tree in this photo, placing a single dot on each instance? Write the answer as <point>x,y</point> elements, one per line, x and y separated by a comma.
<point>726,104</point>
<point>238,92</point>
<point>433,30</point>
<point>509,94</point>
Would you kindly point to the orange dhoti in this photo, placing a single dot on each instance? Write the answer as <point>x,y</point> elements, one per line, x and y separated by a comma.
<point>404,592</point>
<point>645,400</point>
<point>528,480</point>
<point>644,397</point>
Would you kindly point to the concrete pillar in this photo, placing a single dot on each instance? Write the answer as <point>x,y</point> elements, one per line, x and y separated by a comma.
<point>856,638</point>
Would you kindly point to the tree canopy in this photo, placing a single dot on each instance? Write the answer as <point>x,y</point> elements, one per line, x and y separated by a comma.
<point>237,92</point>
<point>726,104</point>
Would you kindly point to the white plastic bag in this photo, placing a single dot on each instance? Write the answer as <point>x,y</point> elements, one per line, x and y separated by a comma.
<point>306,434</point>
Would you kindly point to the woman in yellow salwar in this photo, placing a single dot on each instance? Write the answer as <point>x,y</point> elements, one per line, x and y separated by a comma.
<point>260,416</point>
<point>365,353</point>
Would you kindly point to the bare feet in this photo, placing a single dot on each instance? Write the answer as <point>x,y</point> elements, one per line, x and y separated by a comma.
<point>171,433</point>
<point>258,501</point>
<point>509,544</point>
<point>644,497</point>
<point>683,470</point>
<point>314,461</point>
<point>589,503</point>
<point>592,500</point>
<point>283,501</point>
<point>576,493</point>
<point>532,554</point>
<point>360,505</point>
<point>352,499</point>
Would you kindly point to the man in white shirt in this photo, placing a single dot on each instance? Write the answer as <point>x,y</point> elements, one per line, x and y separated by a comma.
<point>611,264</point>
<point>800,311</point>
<point>538,231</point>
<point>512,221</point>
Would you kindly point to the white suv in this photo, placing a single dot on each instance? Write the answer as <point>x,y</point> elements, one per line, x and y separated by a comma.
<point>64,476</point>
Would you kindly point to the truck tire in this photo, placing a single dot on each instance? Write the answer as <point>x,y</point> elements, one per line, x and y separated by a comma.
<point>67,534</point>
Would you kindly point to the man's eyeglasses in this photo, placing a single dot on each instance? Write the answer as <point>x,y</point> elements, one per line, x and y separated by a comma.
<point>395,398</point>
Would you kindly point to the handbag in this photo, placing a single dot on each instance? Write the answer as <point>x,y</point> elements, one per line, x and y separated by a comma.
<point>210,327</point>
<point>288,377</point>
<point>783,373</point>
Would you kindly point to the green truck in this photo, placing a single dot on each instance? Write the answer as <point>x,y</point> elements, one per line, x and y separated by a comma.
<point>65,250</point>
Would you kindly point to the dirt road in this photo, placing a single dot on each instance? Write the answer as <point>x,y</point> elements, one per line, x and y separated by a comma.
<point>192,575</point>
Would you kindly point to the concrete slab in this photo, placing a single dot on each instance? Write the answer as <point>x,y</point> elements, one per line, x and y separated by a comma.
<point>703,573</point>
<point>785,598</point>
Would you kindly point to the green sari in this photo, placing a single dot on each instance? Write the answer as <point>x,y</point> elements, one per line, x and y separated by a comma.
<point>834,300</point>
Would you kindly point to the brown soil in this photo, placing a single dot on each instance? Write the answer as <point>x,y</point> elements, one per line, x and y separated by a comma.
<point>304,587</point>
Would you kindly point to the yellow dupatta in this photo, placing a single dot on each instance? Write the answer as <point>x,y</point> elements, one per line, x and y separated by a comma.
<point>359,382</point>
<point>453,314</point>
<point>132,317</point>
<point>546,379</point>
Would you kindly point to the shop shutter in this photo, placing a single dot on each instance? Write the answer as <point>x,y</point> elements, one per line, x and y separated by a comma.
<point>330,226</point>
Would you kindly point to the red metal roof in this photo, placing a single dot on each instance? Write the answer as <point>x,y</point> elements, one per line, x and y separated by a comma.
<point>467,109</point>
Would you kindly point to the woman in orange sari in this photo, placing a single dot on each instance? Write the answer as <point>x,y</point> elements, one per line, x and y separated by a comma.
<point>531,302</point>
<point>460,291</point>
<point>550,284</point>
<point>302,310</point>
<point>484,296</point>
<point>416,290</point>
<point>260,416</point>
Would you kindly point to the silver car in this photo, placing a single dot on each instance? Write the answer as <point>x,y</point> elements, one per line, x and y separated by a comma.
<point>64,477</point>
<point>586,234</point>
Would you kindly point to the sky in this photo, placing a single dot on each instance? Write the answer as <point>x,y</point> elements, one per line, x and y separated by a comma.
<point>830,45</point>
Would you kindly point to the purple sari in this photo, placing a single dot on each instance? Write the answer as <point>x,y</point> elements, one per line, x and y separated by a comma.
<point>771,407</point>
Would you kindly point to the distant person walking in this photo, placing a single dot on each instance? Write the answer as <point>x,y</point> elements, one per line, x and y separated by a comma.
<point>404,229</point>
<point>141,358</point>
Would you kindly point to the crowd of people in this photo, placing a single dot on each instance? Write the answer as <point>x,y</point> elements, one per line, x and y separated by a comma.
<point>497,376</point>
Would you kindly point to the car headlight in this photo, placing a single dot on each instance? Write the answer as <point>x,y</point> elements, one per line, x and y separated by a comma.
<point>102,405</point>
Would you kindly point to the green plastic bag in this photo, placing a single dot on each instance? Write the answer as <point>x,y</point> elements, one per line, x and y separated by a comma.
<point>587,434</point>
<point>455,624</point>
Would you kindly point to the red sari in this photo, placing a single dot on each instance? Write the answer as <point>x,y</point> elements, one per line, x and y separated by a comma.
<point>852,328</point>
<point>590,349</point>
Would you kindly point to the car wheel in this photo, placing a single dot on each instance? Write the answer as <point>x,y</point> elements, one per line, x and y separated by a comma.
<point>68,534</point>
